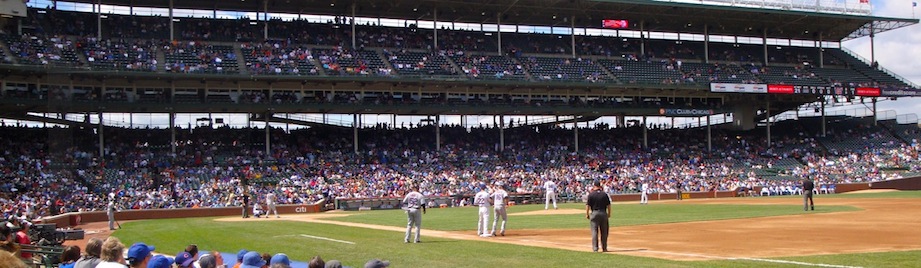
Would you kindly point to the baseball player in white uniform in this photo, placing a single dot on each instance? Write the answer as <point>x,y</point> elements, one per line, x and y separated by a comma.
<point>270,203</point>
<point>549,193</point>
<point>644,190</point>
<point>411,203</point>
<point>481,199</point>
<point>500,199</point>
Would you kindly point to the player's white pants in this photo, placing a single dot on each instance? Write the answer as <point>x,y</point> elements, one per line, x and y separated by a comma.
<point>499,211</point>
<point>643,198</point>
<point>482,225</point>
<point>271,209</point>
<point>413,218</point>
<point>548,196</point>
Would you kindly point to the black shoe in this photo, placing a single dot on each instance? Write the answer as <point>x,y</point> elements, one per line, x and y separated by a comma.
<point>813,208</point>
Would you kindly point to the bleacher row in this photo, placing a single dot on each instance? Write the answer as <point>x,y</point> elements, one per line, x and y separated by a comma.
<point>301,48</point>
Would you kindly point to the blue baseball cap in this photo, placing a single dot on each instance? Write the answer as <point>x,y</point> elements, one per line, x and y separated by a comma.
<point>160,261</point>
<point>240,254</point>
<point>252,260</point>
<point>280,258</point>
<point>184,259</point>
<point>139,251</point>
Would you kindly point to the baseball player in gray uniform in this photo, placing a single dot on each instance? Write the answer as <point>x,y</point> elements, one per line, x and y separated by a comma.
<point>270,204</point>
<point>411,203</point>
<point>481,199</point>
<point>500,199</point>
<point>549,194</point>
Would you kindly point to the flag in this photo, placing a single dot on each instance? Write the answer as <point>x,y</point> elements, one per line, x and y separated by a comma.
<point>614,24</point>
<point>865,1</point>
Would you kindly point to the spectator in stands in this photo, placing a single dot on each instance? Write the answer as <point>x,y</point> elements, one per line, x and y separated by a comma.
<point>240,255</point>
<point>208,261</point>
<point>316,262</point>
<point>252,259</point>
<point>184,259</point>
<point>333,264</point>
<point>280,260</point>
<point>192,249</point>
<point>139,255</point>
<point>160,261</point>
<point>213,256</point>
<point>112,254</point>
<point>91,257</point>
<point>377,263</point>
<point>70,256</point>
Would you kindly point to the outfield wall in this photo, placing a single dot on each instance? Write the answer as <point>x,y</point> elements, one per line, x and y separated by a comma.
<point>899,184</point>
<point>74,219</point>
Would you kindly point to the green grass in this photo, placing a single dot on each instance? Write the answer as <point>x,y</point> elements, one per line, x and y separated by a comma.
<point>172,235</point>
<point>464,218</point>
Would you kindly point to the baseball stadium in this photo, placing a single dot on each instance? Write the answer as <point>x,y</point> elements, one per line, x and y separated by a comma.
<point>291,133</point>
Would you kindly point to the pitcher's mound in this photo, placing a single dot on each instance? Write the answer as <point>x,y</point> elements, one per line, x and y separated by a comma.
<point>565,211</point>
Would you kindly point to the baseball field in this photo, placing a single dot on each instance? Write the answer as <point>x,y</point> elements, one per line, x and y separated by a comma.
<point>863,229</point>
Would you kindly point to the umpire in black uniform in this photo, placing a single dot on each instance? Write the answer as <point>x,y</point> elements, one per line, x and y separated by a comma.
<point>598,211</point>
<point>808,186</point>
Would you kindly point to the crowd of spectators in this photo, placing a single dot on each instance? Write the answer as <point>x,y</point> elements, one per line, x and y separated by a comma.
<point>54,170</point>
<point>287,49</point>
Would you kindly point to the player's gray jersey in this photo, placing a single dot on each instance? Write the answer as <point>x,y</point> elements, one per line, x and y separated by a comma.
<point>413,200</point>
<point>550,186</point>
<point>498,197</point>
<point>481,199</point>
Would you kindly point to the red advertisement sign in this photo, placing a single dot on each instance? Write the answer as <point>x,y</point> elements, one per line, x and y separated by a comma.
<point>780,89</point>
<point>868,92</point>
<point>615,24</point>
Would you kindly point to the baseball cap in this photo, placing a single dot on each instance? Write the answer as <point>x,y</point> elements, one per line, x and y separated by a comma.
<point>280,258</point>
<point>160,261</point>
<point>377,263</point>
<point>252,260</point>
<point>139,251</point>
<point>184,259</point>
<point>598,184</point>
<point>240,255</point>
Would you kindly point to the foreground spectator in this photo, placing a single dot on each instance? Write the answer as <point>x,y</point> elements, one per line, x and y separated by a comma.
<point>139,255</point>
<point>160,261</point>
<point>8,260</point>
<point>91,257</point>
<point>112,254</point>
<point>377,263</point>
<point>70,256</point>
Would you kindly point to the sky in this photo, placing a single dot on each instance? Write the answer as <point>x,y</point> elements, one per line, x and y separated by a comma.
<point>898,51</point>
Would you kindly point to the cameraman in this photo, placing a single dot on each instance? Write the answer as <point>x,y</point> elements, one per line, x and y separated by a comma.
<point>22,237</point>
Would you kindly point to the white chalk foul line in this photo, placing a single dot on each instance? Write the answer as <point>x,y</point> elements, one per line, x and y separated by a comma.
<point>320,238</point>
<point>328,239</point>
<point>796,263</point>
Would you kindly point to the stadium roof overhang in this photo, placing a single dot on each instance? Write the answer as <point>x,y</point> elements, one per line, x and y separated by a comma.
<point>653,15</point>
